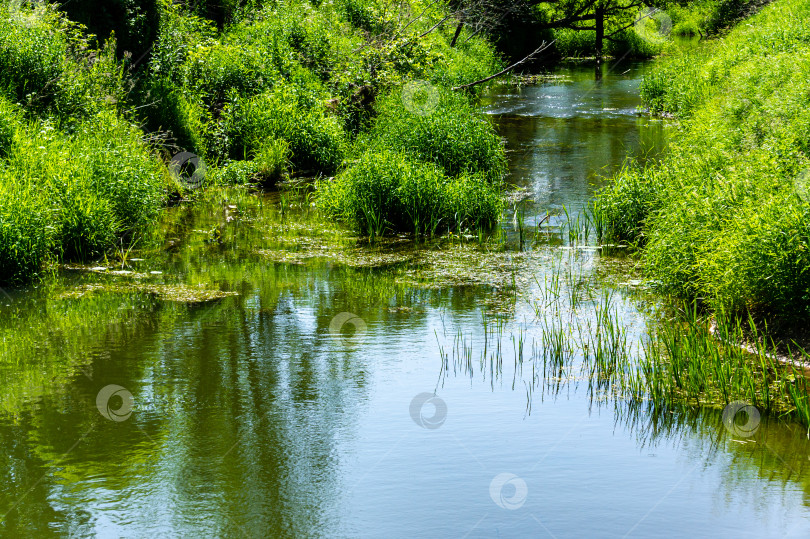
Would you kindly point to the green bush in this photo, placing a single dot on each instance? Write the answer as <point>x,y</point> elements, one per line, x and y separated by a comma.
<point>366,15</point>
<point>33,51</point>
<point>626,43</point>
<point>387,192</point>
<point>316,141</point>
<point>46,66</point>
<point>214,71</point>
<point>100,181</point>
<point>443,128</point>
<point>234,173</point>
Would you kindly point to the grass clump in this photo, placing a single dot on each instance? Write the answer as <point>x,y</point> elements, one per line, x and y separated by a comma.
<point>25,231</point>
<point>726,217</point>
<point>388,191</point>
<point>72,195</point>
<point>315,141</point>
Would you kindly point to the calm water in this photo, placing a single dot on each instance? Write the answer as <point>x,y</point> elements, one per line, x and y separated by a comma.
<point>259,415</point>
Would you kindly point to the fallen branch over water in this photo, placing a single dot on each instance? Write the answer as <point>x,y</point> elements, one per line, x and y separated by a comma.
<point>543,46</point>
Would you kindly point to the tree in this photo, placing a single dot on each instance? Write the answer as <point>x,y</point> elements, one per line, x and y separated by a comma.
<point>606,18</point>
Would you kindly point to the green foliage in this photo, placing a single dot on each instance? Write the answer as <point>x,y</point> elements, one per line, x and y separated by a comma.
<point>86,189</point>
<point>627,43</point>
<point>255,91</point>
<point>316,141</point>
<point>443,129</point>
<point>45,65</point>
<point>271,159</point>
<point>367,16</point>
<point>25,231</point>
<point>234,173</point>
<point>387,191</point>
<point>726,216</point>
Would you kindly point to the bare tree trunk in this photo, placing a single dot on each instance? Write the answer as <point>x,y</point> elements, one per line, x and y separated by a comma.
<point>458,33</point>
<point>600,31</point>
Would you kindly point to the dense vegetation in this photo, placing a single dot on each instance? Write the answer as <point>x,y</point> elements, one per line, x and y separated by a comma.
<point>726,216</point>
<point>88,123</point>
<point>96,98</point>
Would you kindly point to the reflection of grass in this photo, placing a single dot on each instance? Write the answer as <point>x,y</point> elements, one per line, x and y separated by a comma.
<point>48,342</point>
<point>579,335</point>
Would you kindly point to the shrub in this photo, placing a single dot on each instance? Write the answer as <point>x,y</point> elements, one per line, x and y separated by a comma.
<point>101,181</point>
<point>387,192</point>
<point>316,141</point>
<point>32,52</point>
<point>46,66</point>
<point>444,130</point>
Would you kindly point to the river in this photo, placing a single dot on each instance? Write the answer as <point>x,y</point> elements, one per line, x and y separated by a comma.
<point>326,397</point>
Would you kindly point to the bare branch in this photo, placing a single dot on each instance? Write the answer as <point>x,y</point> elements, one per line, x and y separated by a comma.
<point>543,46</point>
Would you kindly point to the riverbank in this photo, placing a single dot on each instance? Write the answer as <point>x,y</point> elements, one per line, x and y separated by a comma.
<point>725,218</point>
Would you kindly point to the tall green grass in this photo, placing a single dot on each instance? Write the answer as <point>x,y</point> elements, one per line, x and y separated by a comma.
<point>725,217</point>
<point>445,130</point>
<point>429,164</point>
<point>72,195</point>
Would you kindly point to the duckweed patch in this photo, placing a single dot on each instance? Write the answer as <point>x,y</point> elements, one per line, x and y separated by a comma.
<point>164,292</point>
